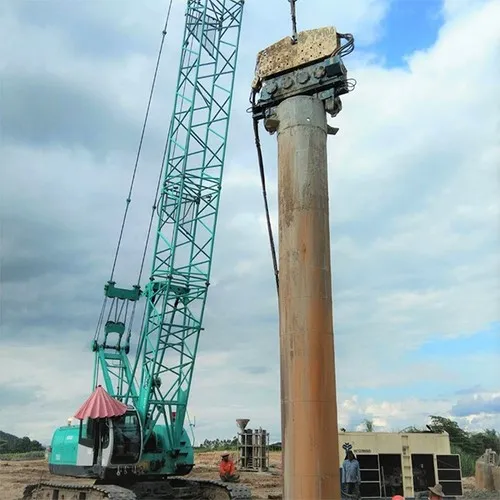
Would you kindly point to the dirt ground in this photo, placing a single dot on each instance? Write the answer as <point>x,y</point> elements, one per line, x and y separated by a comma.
<point>14,476</point>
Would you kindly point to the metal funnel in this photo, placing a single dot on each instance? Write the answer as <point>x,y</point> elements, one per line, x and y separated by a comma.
<point>242,423</point>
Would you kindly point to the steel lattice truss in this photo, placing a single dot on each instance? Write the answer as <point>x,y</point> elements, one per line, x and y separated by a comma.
<point>188,211</point>
<point>112,345</point>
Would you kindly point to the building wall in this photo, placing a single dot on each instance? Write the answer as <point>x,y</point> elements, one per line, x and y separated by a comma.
<point>391,442</point>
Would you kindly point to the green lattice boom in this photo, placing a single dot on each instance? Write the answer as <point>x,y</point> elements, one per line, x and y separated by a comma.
<point>187,217</point>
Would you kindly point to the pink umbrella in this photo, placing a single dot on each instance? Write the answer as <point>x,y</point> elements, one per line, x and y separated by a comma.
<point>100,405</point>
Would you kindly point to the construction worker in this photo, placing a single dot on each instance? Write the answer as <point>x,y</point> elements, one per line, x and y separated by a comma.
<point>432,493</point>
<point>351,474</point>
<point>227,470</point>
<point>436,492</point>
<point>420,478</point>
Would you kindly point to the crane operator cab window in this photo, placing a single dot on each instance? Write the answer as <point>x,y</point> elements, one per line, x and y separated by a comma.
<point>127,439</point>
<point>93,433</point>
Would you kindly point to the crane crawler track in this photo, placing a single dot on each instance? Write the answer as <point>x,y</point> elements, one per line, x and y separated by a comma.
<point>174,489</point>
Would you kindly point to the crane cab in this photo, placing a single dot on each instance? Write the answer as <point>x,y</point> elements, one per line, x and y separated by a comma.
<point>127,439</point>
<point>96,445</point>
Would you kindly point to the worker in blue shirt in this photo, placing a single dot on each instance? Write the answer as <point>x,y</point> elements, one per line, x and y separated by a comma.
<point>351,474</point>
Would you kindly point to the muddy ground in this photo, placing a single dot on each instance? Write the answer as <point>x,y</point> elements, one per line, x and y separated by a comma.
<point>14,476</point>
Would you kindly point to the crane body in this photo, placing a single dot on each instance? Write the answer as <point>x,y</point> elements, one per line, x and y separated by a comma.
<point>133,453</point>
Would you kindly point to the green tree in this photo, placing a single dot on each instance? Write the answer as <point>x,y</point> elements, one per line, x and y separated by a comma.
<point>411,429</point>
<point>23,445</point>
<point>458,437</point>
<point>469,445</point>
<point>488,439</point>
<point>368,425</point>
<point>36,446</point>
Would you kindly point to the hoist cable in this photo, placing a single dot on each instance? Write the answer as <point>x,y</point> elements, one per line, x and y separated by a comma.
<point>156,199</point>
<point>101,317</point>
<point>293,15</point>
<point>260,159</point>
<point>154,210</point>
<point>139,149</point>
<point>136,164</point>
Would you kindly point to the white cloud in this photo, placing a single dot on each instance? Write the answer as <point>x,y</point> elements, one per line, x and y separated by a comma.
<point>414,212</point>
<point>397,415</point>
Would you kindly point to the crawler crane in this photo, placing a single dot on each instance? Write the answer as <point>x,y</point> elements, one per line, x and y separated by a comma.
<point>155,387</point>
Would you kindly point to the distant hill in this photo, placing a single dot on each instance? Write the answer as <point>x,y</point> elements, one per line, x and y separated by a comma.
<point>13,444</point>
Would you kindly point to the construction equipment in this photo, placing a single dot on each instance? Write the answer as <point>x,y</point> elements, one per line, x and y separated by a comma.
<point>253,447</point>
<point>130,456</point>
<point>144,451</point>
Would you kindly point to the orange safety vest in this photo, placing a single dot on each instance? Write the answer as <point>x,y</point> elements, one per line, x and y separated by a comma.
<point>226,467</point>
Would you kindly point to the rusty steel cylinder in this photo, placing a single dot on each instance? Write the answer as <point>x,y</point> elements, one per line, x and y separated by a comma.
<point>308,385</point>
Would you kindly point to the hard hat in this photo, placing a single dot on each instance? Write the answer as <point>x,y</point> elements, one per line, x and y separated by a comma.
<point>225,454</point>
<point>398,497</point>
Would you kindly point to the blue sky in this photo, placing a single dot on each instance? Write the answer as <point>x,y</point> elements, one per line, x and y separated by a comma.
<point>409,25</point>
<point>413,197</point>
<point>483,344</point>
